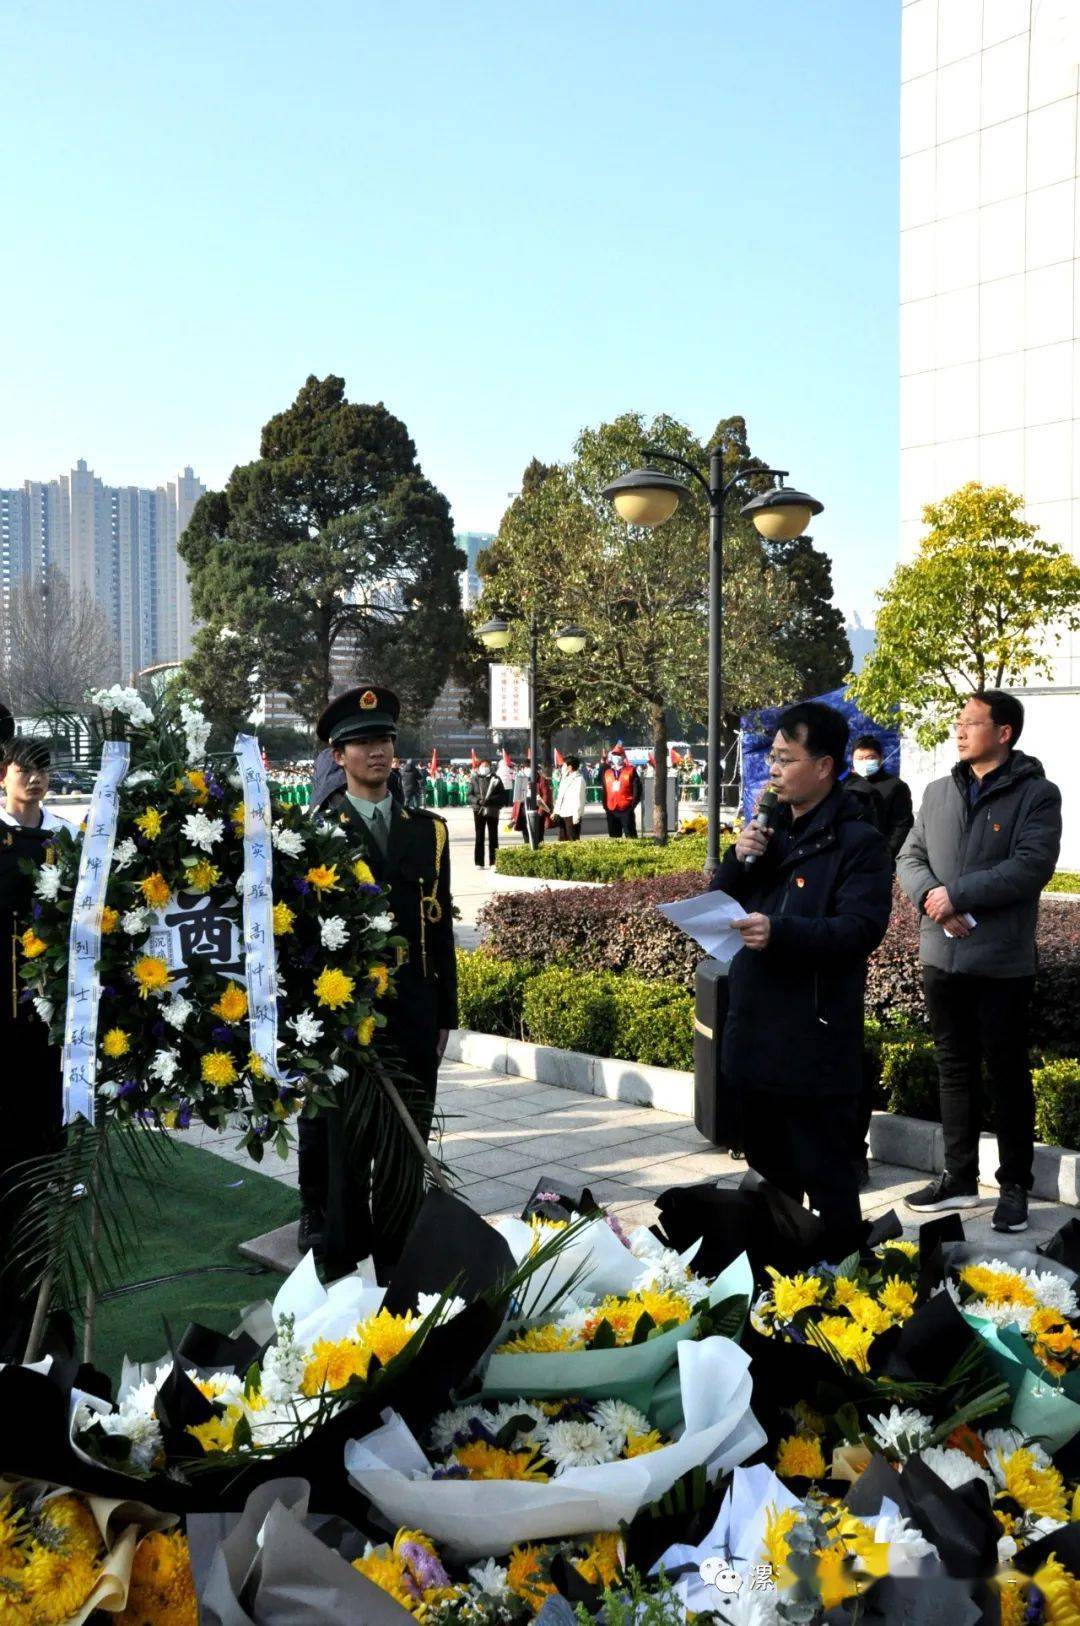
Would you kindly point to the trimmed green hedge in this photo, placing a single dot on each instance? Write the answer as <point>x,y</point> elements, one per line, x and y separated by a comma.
<point>593,1011</point>
<point>1057,1102</point>
<point>1066,880</point>
<point>604,859</point>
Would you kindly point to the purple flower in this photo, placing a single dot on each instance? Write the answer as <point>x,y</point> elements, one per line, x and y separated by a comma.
<point>158,1030</point>
<point>369,891</point>
<point>37,911</point>
<point>215,788</point>
<point>221,1034</point>
<point>349,1035</point>
<point>128,1087</point>
<point>547,1197</point>
<point>183,1115</point>
<point>424,1565</point>
<point>613,1222</point>
<point>300,885</point>
<point>451,1471</point>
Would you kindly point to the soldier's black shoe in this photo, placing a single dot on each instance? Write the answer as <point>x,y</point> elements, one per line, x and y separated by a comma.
<point>309,1233</point>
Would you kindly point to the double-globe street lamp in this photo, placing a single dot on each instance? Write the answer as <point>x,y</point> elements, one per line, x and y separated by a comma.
<point>648,497</point>
<point>496,635</point>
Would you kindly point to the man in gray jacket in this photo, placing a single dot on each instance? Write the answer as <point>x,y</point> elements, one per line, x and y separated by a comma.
<point>984,845</point>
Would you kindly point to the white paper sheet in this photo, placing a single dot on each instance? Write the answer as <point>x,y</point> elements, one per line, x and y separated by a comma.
<point>708,920</point>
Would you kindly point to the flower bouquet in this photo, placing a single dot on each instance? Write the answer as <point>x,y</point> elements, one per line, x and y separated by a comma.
<point>606,1470</point>
<point>619,1345</point>
<point>1026,1311</point>
<point>63,1556</point>
<point>841,1309</point>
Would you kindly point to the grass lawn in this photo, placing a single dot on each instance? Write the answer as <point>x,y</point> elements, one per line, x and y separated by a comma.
<point>199,1210</point>
<point>1066,880</point>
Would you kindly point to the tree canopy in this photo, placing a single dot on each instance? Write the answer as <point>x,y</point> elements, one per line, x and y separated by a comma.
<point>981,605</point>
<point>331,551</point>
<point>55,644</point>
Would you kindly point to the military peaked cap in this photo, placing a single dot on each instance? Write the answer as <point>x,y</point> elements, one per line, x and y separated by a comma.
<point>359,714</point>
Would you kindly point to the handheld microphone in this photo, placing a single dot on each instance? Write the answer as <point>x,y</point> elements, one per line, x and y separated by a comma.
<point>765,817</point>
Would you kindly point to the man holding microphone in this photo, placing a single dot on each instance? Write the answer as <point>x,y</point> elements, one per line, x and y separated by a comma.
<point>817,882</point>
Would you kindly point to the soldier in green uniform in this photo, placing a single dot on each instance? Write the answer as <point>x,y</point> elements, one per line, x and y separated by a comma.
<point>341,1206</point>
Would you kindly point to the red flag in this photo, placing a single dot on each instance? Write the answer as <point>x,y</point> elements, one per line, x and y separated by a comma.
<point>474,760</point>
<point>506,758</point>
<point>652,762</point>
<point>676,759</point>
<point>558,758</point>
<point>433,765</point>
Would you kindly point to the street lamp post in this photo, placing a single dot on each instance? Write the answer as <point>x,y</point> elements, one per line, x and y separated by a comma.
<point>496,635</point>
<point>648,497</point>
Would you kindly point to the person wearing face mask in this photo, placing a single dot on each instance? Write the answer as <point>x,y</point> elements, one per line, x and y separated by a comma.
<point>30,1108</point>
<point>884,797</point>
<point>486,795</point>
<point>622,793</point>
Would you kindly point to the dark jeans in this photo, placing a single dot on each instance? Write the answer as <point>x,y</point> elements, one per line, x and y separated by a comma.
<point>803,1144</point>
<point>568,830</point>
<point>982,1022</point>
<point>613,826</point>
<point>625,824</point>
<point>490,822</point>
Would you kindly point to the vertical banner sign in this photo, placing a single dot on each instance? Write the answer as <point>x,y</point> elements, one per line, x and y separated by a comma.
<point>260,955</point>
<point>84,940</point>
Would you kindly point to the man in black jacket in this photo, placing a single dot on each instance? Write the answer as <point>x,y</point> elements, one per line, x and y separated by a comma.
<point>985,844</point>
<point>486,795</point>
<point>884,796</point>
<point>819,890</point>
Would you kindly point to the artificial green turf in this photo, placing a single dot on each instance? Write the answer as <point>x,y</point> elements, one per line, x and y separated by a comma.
<point>200,1209</point>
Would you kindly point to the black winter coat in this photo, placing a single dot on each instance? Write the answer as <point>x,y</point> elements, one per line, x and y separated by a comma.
<point>486,795</point>
<point>887,801</point>
<point>795,1008</point>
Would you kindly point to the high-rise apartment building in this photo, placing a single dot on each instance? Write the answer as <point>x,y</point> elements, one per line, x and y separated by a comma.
<point>116,542</point>
<point>990,287</point>
<point>473,543</point>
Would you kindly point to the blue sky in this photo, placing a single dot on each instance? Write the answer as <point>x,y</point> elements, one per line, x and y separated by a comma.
<point>505,221</point>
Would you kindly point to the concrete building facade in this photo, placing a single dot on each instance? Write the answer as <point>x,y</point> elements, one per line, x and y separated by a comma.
<point>990,291</point>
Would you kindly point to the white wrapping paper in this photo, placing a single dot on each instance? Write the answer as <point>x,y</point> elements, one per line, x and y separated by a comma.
<point>474,1518</point>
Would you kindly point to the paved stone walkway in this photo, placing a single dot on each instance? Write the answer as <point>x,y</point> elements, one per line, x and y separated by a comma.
<point>500,1134</point>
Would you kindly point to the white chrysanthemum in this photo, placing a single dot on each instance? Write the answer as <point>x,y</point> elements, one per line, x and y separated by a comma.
<point>956,1468</point>
<point>492,1580</point>
<point>201,831</point>
<point>44,1007</point>
<point>136,922</point>
<point>141,776</point>
<point>289,842</point>
<point>128,702</point>
<point>538,1421</point>
<point>574,1320</point>
<point>177,1010</point>
<point>617,1419</point>
<point>1002,1443</point>
<point>336,833</point>
<point>901,1430</point>
<point>426,1302</point>
<point>1002,1315</point>
<point>307,1027</point>
<point>381,923</point>
<point>745,1608</point>
<point>140,1429</point>
<point>906,1542</point>
<point>334,932</point>
<point>196,732</point>
<point>449,1424</point>
<point>165,1066</point>
<point>336,1074</point>
<point>666,1273</point>
<point>1053,1292</point>
<point>47,882</point>
<point>126,853</point>
<point>577,1445</point>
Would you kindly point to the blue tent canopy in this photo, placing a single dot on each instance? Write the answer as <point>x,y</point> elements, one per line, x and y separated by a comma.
<point>759,730</point>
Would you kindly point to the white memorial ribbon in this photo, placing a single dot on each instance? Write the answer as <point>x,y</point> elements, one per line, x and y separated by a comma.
<point>260,954</point>
<point>84,940</point>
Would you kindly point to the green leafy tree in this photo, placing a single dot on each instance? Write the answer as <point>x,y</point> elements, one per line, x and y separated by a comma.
<point>332,542</point>
<point>981,605</point>
<point>563,554</point>
<point>813,641</point>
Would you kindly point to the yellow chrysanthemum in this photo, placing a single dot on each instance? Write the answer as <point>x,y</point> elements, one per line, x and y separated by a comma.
<point>149,823</point>
<point>32,945</point>
<point>218,1069</point>
<point>73,1520</point>
<point>109,920</point>
<point>869,1313</point>
<point>162,1590</point>
<point>899,1245</point>
<point>1013,1600</point>
<point>997,1286</point>
<point>58,1581</point>
<point>362,872</point>
<point>332,1363</point>
<point>1061,1594</point>
<point>834,1576</point>
<point>483,1461</point>
<point>115,1043</point>
<point>524,1576</point>
<point>380,976</point>
<point>547,1340</point>
<point>898,1298</point>
<point>323,877</point>
<point>800,1457</point>
<point>622,1314</point>
<point>365,1030</point>
<point>602,1562</point>
<point>779,1523</point>
<point>151,973</point>
<point>255,1065</point>
<point>202,875</point>
<point>1040,1490</point>
<point>790,1294</point>
<point>385,1570</point>
<point>237,817</point>
<point>386,1334</point>
<point>333,988</point>
<point>11,1521</point>
<point>283,919</point>
<point>639,1445</point>
<point>850,1341</point>
<point>155,890</point>
<point>196,781</point>
<point>217,1434</point>
<point>233,1004</point>
<point>844,1290</point>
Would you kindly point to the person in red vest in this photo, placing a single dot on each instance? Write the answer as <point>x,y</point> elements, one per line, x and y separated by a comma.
<point>622,793</point>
